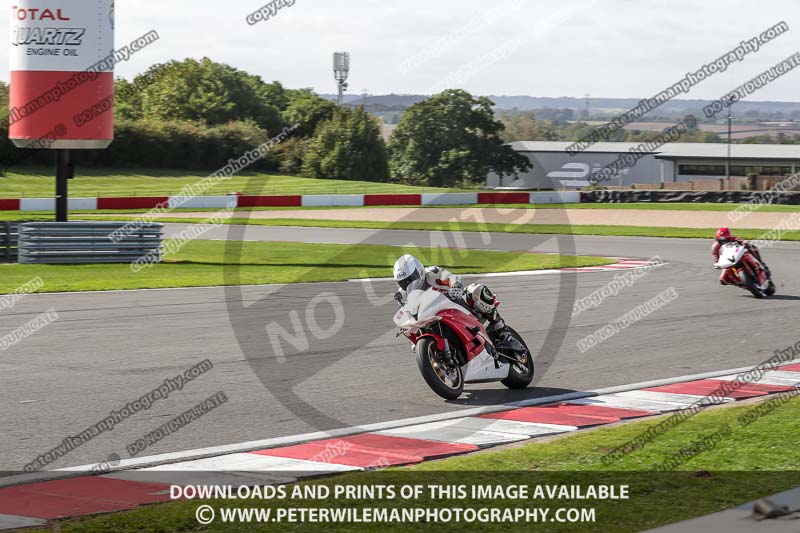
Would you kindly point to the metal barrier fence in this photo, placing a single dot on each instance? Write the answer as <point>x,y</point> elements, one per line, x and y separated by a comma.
<point>9,236</point>
<point>86,242</point>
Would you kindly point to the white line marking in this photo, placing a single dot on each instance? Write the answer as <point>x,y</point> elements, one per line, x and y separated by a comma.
<point>683,400</point>
<point>603,268</point>
<point>529,429</point>
<point>615,400</point>
<point>251,462</point>
<point>788,379</point>
<point>8,521</point>
<point>202,453</point>
<point>446,432</point>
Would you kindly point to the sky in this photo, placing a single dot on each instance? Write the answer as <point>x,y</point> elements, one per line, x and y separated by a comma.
<point>606,48</point>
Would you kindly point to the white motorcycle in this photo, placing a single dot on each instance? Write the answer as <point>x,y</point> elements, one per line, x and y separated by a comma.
<point>753,275</point>
<point>453,347</point>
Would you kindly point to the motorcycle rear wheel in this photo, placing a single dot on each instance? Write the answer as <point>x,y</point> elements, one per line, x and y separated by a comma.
<point>447,383</point>
<point>520,375</point>
<point>770,291</point>
<point>751,285</point>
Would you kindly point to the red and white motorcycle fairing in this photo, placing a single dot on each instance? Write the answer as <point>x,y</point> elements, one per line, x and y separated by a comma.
<point>744,270</point>
<point>430,306</point>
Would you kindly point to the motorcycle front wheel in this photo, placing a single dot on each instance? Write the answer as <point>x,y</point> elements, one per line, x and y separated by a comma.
<point>521,373</point>
<point>444,379</point>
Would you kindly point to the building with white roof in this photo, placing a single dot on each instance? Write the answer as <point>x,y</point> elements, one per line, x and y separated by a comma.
<point>555,168</point>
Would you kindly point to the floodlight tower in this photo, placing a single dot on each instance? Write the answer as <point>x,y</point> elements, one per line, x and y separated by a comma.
<point>341,68</point>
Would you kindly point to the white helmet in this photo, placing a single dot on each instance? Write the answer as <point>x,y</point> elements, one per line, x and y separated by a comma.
<point>481,298</point>
<point>407,270</point>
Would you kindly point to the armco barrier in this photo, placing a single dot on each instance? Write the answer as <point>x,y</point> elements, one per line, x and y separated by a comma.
<point>9,238</point>
<point>786,198</point>
<point>308,200</point>
<point>87,242</point>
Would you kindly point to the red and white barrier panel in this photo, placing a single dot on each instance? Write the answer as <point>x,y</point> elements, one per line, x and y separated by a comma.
<point>400,443</point>
<point>309,200</point>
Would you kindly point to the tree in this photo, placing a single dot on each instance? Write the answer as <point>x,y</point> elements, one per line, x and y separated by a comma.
<point>203,92</point>
<point>349,146</point>
<point>450,139</point>
<point>306,109</point>
<point>290,154</point>
<point>4,95</point>
<point>275,94</point>
<point>524,126</point>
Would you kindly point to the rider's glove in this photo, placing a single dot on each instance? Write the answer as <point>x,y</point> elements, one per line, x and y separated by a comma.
<point>457,291</point>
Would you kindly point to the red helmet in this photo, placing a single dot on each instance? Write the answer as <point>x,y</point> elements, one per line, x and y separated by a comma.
<point>723,234</point>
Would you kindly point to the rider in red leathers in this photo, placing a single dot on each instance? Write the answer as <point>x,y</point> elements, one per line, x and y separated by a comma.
<point>725,236</point>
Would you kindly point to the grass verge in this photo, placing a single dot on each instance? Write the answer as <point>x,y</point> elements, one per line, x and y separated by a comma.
<point>38,183</point>
<point>751,461</point>
<point>77,215</point>
<point>655,206</point>
<point>564,229</point>
<point>205,263</point>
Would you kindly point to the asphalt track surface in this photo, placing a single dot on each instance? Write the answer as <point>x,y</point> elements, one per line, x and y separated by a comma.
<point>108,349</point>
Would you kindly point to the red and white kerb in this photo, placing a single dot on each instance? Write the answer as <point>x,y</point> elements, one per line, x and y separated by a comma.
<point>62,63</point>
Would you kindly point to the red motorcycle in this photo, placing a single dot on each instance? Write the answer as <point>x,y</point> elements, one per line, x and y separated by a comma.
<point>749,273</point>
<point>453,347</point>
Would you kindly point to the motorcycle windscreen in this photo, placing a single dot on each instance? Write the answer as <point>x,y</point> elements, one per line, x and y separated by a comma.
<point>730,254</point>
<point>414,294</point>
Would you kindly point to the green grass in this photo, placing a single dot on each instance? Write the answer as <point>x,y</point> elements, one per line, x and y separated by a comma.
<point>759,446</point>
<point>538,229</point>
<point>91,183</point>
<point>206,263</point>
<point>655,206</point>
<point>81,215</point>
<point>749,462</point>
<point>76,215</point>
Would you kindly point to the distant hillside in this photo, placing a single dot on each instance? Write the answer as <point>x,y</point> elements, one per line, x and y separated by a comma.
<point>397,102</point>
<point>388,100</point>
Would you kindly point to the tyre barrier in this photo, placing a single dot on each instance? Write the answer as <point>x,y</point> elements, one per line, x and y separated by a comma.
<point>718,197</point>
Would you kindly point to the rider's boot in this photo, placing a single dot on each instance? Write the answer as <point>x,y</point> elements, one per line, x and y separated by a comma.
<point>494,328</point>
<point>498,333</point>
<point>728,278</point>
<point>496,324</point>
<point>493,352</point>
<point>761,262</point>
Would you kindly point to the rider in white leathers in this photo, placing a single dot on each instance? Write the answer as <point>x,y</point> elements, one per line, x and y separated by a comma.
<point>478,298</point>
